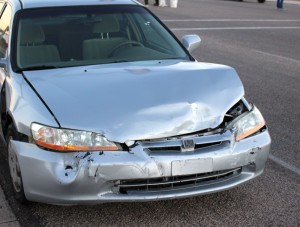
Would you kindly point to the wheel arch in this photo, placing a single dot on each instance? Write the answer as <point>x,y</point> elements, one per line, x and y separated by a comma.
<point>6,116</point>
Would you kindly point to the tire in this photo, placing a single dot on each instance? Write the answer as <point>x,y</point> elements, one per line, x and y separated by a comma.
<point>261,1</point>
<point>14,167</point>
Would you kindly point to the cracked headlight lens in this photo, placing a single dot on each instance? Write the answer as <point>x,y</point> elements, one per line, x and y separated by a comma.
<point>248,124</point>
<point>70,140</point>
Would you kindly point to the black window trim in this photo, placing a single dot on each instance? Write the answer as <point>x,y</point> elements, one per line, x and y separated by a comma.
<point>3,8</point>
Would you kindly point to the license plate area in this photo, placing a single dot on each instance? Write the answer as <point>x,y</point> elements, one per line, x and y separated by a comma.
<point>192,166</point>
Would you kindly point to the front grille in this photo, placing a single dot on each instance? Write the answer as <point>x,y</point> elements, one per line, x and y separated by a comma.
<point>202,143</point>
<point>178,148</point>
<point>175,182</point>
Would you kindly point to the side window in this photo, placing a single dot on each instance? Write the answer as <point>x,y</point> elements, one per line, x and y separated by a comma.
<point>4,30</point>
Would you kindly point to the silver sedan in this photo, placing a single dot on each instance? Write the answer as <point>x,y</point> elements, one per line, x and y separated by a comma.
<point>101,103</point>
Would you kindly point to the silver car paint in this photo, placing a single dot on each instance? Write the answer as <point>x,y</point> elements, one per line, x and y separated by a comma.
<point>24,105</point>
<point>55,3</point>
<point>191,42</point>
<point>142,100</point>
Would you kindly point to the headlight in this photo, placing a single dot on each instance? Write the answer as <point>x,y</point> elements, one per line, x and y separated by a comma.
<point>70,140</point>
<point>248,124</point>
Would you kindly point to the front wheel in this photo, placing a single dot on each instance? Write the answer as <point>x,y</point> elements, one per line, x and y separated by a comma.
<point>261,1</point>
<point>14,167</point>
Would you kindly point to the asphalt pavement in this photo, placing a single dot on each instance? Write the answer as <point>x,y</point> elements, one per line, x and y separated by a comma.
<point>263,44</point>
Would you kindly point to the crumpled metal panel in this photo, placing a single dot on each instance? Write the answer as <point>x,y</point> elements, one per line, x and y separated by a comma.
<point>135,101</point>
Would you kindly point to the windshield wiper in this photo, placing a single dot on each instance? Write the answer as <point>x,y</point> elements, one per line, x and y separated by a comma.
<point>39,67</point>
<point>118,61</point>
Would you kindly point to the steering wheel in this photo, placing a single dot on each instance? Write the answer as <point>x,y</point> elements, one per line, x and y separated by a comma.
<point>121,45</point>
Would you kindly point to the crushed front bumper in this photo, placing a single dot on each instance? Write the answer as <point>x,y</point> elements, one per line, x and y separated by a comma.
<point>143,173</point>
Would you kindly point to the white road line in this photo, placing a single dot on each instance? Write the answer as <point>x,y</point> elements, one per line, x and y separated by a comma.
<point>228,20</point>
<point>277,56</point>
<point>232,28</point>
<point>284,164</point>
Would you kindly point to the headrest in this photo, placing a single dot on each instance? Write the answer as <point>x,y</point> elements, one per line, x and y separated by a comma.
<point>109,23</point>
<point>32,33</point>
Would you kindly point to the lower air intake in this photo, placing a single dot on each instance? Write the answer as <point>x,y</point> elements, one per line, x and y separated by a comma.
<point>175,182</point>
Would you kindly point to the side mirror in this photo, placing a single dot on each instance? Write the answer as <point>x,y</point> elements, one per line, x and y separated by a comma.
<point>191,42</point>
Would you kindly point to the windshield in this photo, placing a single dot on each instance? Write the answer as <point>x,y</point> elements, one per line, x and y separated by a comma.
<point>73,36</point>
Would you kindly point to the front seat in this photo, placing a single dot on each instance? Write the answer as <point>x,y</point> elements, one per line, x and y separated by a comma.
<point>104,44</point>
<point>32,49</point>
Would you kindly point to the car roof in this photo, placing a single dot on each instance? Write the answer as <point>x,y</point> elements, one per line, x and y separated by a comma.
<point>55,3</point>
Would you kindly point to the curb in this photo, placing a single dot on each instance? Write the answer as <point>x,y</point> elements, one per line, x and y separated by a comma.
<point>7,217</point>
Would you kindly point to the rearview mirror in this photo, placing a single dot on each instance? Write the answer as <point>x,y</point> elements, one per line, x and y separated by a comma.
<point>191,42</point>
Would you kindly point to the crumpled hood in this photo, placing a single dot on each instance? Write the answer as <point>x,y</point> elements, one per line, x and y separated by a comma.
<point>142,100</point>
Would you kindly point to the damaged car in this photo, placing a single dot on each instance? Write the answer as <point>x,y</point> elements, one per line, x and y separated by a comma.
<point>100,102</point>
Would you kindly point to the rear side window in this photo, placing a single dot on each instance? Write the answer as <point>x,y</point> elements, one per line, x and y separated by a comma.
<point>5,30</point>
